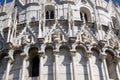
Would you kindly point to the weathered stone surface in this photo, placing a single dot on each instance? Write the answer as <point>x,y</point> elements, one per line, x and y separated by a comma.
<point>59,40</point>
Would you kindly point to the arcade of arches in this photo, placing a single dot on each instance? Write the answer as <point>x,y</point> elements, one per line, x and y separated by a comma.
<point>64,64</point>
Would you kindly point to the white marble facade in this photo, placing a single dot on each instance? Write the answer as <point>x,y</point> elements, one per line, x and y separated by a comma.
<point>59,40</point>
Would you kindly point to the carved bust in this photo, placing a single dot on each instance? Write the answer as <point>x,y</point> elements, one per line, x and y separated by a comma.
<point>26,39</point>
<point>113,42</point>
<point>86,37</point>
<point>56,35</point>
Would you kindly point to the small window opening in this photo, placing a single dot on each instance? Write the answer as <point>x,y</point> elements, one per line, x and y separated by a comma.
<point>52,15</point>
<point>35,66</point>
<point>111,66</point>
<point>47,15</point>
<point>85,16</point>
<point>17,17</point>
<point>81,16</point>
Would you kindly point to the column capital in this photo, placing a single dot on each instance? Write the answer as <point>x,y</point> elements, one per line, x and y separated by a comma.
<point>89,54</point>
<point>117,59</point>
<point>41,53</point>
<point>9,45</point>
<point>103,56</point>
<point>56,52</point>
<point>9,59</point>
<point>72,52</point>
<point>24,54</point>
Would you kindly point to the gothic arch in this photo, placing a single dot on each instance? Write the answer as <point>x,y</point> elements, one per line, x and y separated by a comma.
<point>48,63</point>
<point>87,13</point>
<point>17,52</point>
<point>81,63</point>
<point>96,48</point>
<point>65,63</point>
<point>83,46</point>
<point>111,64</point>
<point>50,11</point>
<point>33,67</point>
<point>111,50</point>
<point>32,49</point>
<point>49,46</point>
<point>80,47</point>
<point>97,64</point>
<point>63,45</point>
<point>16,65</point>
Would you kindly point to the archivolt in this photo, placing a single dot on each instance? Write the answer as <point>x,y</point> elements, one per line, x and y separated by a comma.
<point>110,50</point>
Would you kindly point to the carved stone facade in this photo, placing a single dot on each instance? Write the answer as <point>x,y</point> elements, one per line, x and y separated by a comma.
<point>59,40</point>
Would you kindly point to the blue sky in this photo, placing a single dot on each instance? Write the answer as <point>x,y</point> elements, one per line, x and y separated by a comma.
<point>2,1</point>
<point>116,1</point>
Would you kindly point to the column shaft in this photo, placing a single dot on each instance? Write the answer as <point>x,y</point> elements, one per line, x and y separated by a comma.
<point>41,68</point>
<point>105,69</point>
<point>56,67</point>
<point>74,67</point>
<point>90,68</point>
<point>23,69</point>
<point>8,39</point>
<point>70,29</point>
<point>119,66</point>
<point>83,17</point>
<point>69,20</point>
<point>118,72</point>
<point>40,31</point>
<point>7,70</point>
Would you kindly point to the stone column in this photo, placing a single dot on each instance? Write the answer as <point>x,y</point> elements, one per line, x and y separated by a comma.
<point>56,55</point>
<point>43,17</point>
<point>40,31</point>
<point>23,67</point>
<point>118,72</point>
<point>10,60</point>
<point>119,65</point>
<point>73,54</point>
<point>90,66</point>
<point>41,57</point>
<point>103,58</point>
<point>83,17</point>
<point>70,29</point>
<point>56,14</point>
<point>9,24</point>
<point>25,57</point>
<point>8,39</point>
<point>69,20</point>
<point>117,60</point>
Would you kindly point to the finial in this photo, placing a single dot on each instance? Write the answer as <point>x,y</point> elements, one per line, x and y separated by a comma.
<point>5,2</point>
